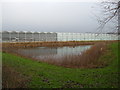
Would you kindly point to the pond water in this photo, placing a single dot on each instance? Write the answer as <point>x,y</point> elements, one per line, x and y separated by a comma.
<point>54,52</point>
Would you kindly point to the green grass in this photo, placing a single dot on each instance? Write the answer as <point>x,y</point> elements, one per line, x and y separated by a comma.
<point>43,75</point>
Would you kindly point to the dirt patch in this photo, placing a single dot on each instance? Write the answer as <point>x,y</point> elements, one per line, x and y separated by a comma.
<point>72,84</point>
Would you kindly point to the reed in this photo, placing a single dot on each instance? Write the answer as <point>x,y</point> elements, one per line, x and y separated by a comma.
<point>17,45</point>
<point>47,44</point>
<point>87,59</point>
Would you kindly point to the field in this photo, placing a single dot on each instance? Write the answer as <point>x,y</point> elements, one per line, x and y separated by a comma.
<point>19,72</point>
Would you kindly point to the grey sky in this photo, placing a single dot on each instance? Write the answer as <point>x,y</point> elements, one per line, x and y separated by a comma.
<point>49,16</point>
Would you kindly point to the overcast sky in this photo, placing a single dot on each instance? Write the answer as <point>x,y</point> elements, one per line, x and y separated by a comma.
<point>54,16</point>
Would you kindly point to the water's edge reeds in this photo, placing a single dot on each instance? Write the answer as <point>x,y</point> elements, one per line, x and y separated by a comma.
<point>87,59</point>
<point>48,44</point>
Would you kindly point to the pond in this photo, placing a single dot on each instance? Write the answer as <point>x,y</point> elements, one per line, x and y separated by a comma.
<point>54,52</point>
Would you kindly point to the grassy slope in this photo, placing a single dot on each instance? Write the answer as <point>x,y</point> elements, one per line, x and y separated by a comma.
<point>44,75</point>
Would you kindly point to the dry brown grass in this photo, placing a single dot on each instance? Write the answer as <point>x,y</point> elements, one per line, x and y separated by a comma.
<point>87,59</point>
<point>12,79</point>
<point>46,44</point>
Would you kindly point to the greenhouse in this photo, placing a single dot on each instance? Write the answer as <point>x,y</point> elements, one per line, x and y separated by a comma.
<point>22,36</point>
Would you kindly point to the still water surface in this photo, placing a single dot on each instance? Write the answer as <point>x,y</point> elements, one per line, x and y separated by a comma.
<point>54,52</point>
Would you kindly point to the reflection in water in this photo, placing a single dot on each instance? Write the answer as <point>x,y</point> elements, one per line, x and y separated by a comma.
<point>54,52</point>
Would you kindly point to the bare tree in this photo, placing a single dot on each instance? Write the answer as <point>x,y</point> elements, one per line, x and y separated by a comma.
<point>110,10</point>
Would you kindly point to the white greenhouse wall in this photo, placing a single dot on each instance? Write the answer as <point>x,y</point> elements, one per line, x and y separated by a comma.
<point>50,36</point>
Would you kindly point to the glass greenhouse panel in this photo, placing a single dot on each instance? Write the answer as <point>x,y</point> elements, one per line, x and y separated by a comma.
<point>29,36</point>
<point>5,36</point>
<point>36,36</point>
<point>42,37</point>
<point>21,36</point>
<point>14,36</point>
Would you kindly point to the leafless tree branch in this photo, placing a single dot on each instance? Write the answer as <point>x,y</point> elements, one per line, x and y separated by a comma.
<point>110,10</point>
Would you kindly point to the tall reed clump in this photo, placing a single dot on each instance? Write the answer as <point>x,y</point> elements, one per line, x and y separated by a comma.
<point>87,59</point>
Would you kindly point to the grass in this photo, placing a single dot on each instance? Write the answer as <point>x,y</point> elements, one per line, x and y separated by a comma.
<point>43,75</point>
